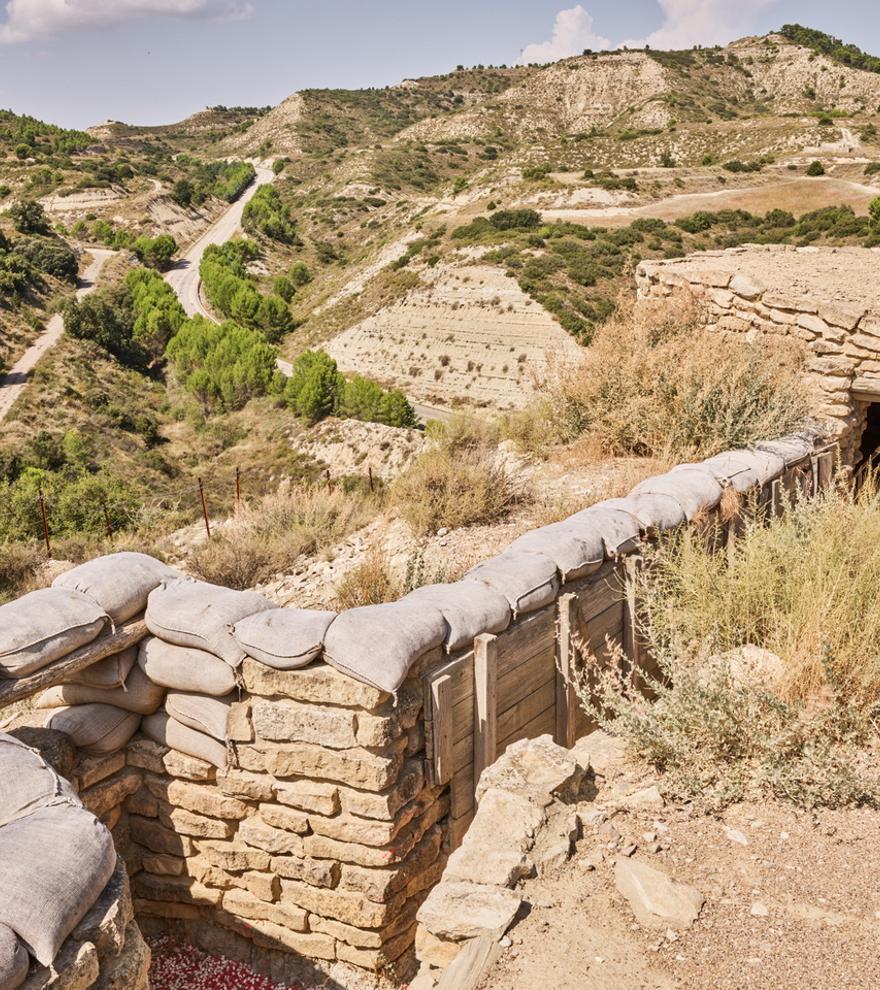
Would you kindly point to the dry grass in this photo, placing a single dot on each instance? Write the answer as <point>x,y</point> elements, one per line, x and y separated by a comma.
<point>267,537</point>
<point>368,583</point>
<point>654,384</point>
<point>459,481</point>
<point>797,586</point>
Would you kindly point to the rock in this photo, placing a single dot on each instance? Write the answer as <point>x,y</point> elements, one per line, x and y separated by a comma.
<point>537,768</point>
<point>55,747</point>
<point>746,287</point>
<point>309,795</point>
<point>244,905</point>
<point>290,721</point>
<point>752,665</point>
<point>106,922</point>
<point>735,835</point>
<point>130,969</point>
<point>234,856</point>
<point>76,967</point>
<point>656,899</point>
<point>604,753</point>
<point>646,799</point>
<point>759,910</point>
<point>318,683</point>
<point>458,910</point>
<point>241,784</point>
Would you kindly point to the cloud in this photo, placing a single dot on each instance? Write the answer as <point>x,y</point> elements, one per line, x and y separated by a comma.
<point>29,19</point>
<point>685,23</point>
<point>572,33</point>
<point>701,22</point>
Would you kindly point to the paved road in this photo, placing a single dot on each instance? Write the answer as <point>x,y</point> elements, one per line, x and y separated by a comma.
<point>184,276</point>
<point>13,383</point>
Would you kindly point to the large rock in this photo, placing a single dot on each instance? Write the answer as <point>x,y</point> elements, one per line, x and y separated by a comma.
<point>656,899</point>
<point>537,768</point>
<point>605,754</point>
<point>457,910</point>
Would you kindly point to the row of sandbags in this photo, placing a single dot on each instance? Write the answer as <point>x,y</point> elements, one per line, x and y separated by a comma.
<point>55,859</point>
<point>378,644</point>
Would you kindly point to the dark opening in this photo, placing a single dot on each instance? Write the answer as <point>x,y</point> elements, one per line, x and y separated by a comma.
<point>870,448</point>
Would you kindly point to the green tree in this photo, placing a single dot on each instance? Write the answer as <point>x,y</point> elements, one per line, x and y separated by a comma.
<point>299,274</point>
<point>815,168</point>
<point>28,217</point>
<point>274,317</point>
<point>313,387</point>
<point>156,252</point>
<point>266,214</point>
<point>874,213</point>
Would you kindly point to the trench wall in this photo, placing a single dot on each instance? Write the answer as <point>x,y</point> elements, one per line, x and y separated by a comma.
<point>337,805</point>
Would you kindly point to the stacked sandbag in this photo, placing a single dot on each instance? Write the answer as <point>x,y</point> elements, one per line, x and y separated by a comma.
<point>194,654</point>
<point>56,860</point>
<point>44,626</point>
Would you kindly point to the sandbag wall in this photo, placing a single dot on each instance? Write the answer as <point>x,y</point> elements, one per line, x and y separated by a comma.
<point>287,776</point>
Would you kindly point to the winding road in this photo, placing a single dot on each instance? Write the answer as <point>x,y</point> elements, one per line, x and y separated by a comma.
<point>13,383</point>
<point>184,276</point>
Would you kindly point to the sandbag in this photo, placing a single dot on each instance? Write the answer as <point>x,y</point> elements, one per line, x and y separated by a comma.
<point>118,582</point>
<point>56,862</point>
<point>199,712</point>
<point>44,626</point>
<point>181,668</point>
<point>195,613</point>
<point>736,468</point>
<point>14,960</point>
<point>791,449</point>
<point>27,783</point>
<point>161,728</point>
<point>139,694</point>
<point>110,672</point>
<point>618,529</point>
<point>574,556</point>
<point>655,511</point>
<point>377,644</point>
<point>527,580</point>
<point>469,609</point>
<point>283,638</point>
<point>95,729</point>
<point>693,487</point>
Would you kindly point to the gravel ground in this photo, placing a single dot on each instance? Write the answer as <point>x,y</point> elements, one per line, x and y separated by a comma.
<point>792,902</point>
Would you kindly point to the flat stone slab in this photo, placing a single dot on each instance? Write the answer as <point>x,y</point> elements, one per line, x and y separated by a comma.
<point>656,899</point>
<point>457,910</point>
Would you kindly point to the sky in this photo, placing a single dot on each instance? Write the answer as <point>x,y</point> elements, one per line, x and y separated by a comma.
<point>79,62</point>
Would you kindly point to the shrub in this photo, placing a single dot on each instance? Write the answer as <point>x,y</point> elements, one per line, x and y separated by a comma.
<point>874,213</point>
<point>720,736</point>
<point>155,252</point>
<point>269,536</point>
<point>815,168</point>
<point>515,219</point>
<point>454,487</point>
<point>28,217</point>
<point>669,389</point>
<point>872,168</point>
<point>50,255</point>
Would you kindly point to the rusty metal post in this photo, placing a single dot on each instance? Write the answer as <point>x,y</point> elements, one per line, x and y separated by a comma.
<point>237,489</point>
<point>107,525</point>
<point>370,476</point>
<point>45,523</point>
<point>204,508</point>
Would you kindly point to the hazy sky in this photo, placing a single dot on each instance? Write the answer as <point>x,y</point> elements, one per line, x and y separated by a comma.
<point>77,62</point>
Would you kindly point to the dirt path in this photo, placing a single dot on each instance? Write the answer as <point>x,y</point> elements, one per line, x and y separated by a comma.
<point>13,383</point>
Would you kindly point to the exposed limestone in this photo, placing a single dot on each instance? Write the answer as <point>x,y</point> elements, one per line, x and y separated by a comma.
<point>656,900</point>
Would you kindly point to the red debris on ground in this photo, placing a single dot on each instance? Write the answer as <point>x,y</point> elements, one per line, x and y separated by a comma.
<point>177,966</point>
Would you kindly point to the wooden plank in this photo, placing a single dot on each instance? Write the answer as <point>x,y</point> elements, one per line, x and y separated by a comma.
<point>525,638</point>
<point>776,497</point>
<point>530,707</point>
<point>825,463</point>
<point>599,595</point>
<point>631,641</point>
<point>608,625</point>
<point>542,724</point>
<point>485,702</point>
<point>458,827</point>
<point>461,792</point>
<point>464,717</point>
<point>101,648</point>
<point>528,677</point>
<point>441,713</point>
<point>463,752</point>
<point>565,696</point>
<point>472,963</point>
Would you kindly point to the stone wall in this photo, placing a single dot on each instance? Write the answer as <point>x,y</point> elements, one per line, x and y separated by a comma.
<point>826,299</point>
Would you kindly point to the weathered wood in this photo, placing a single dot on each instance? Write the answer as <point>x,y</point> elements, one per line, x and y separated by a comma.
<point>607,626</point>
<point>458,827</point>
<point>485,702</point>
<point>527,637</point>
<point>441,716</point>
<point>825,469</point>
<point>542,724</point>
<point>776,498</point>
<point>529,708</point>
<point>566,698</point>
<point>461,792</point>
<point>527,678</point>
<point>631,642</point>
<point>471,964</point>
<point>601,594</point>
<point>101,648</point>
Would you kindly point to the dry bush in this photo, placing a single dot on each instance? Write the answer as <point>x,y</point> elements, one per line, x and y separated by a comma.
<point>455,486</point>
<point>267,537</point>
<point>655,384</point>
<point>368,583</point>
<point>20,564</point>
<point>797,586</point>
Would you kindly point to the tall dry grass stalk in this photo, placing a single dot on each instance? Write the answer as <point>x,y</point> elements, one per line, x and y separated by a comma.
<point>268,536</point>
<point>654,383</point>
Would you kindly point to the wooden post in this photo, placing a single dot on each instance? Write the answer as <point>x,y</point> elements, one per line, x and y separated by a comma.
<point>204,508</point>
<point>632,646</point>
<point>441,708</point>
<point>237,489</point>
<point>825,469</point>
<point>776,505</point>
<point>45,524</point>
<point>566,698</point>
<point>485,703</point>
<point>370,476</point>
<point>107,525</point>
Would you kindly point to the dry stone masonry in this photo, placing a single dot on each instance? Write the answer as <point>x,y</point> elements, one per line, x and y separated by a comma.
<point>286,786</point>
<point>825,298</point>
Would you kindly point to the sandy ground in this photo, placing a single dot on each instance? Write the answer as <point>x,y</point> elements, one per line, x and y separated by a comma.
<point>13,383</point>
<point>791,902</point>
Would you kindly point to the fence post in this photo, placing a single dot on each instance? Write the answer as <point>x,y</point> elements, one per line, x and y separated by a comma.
<point>485,703</point>
<point>370,476</point>
<point>237,489</point>
<point>204,508</point>
<point>566,698</point>
<point>45,524</point>
<point>441,711</point>
<point>107,525</point>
